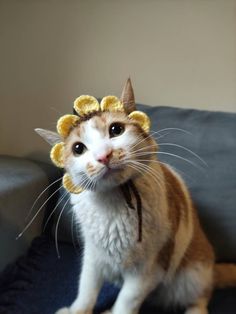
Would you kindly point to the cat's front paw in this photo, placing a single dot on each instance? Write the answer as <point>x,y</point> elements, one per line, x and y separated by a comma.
<point>64,310</point>
<point>107,312</point>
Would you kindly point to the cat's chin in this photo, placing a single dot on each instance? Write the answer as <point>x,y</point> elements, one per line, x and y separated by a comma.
<point>108,178</point>
<point>112,178</point>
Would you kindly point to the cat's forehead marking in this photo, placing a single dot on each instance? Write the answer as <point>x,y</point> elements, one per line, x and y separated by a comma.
<point>81,129</point>
<point>97,126</point>
<point>99,123</point>
<point>92,130</point>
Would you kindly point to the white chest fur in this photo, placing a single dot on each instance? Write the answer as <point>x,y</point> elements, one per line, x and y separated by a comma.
<point>108,223</point>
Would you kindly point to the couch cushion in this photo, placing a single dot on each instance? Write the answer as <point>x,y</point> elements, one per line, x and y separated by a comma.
<point>40,283</point>
<point>21,181</point>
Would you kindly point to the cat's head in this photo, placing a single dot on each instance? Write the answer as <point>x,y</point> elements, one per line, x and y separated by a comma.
<point>106,148</point>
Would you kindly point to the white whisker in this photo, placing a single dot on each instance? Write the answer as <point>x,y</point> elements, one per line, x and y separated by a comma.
<point>147,169</point>
<point>56,229</point>
<point>177,129</point>
<point>72,229</point>
<point>84,182</point>
<point>54,182</point>
<point>54,209</point>
<point>36,214</point>
<point>143,148</point>
<point>185,148</point>
<point>143,153</point>
<point>164,163</point>
<point>142,140</point>
<point>182,158</point>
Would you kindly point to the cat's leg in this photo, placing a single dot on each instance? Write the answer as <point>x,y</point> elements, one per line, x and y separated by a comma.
<point>90,284</point>
<point>135,289</point>
<point>200,307</point>
<point>191,288</point>
<point>66,310</point>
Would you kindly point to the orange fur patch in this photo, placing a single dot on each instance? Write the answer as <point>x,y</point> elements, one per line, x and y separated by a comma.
<point>91,169</point>
<point>200,249</point>
<point>177,210</point>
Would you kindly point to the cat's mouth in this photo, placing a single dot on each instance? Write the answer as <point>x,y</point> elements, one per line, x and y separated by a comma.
<point>109,171</point>
<point>108,175</point>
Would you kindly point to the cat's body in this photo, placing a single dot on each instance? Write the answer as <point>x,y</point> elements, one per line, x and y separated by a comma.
<point>166,256</point>
<point>112,227</point>
<point>169,255</point>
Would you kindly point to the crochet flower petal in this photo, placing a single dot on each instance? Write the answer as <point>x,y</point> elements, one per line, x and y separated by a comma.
<point>69,185</point>
<point>111,103</point>
<point>56,155</point>
<point>66,123</point>
<point>142,119</point>
<point>86,104</point>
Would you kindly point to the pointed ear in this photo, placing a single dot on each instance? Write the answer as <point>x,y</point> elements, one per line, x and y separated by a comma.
<point>127,97</point>
<point>51,137</point>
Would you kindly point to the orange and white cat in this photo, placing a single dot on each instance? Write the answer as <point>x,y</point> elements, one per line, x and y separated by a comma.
<point>173,262</point>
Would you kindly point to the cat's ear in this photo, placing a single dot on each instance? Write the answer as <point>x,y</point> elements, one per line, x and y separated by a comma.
<point>127,97</point>
<point>51,137</point>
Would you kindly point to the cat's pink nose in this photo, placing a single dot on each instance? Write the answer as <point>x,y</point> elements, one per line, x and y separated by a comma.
<point>105,159</point>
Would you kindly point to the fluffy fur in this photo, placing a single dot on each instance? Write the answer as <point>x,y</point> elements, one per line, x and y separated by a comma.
<point>163,263</point>
<point>174,263</point>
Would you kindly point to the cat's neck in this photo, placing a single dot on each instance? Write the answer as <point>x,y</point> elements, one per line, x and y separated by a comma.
<point>146,184</point>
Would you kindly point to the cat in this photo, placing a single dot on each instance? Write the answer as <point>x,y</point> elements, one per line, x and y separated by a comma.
<point>161,252</point>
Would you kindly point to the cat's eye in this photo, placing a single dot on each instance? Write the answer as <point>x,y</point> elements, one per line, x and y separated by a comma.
<point>78,148</point>
<point>116,129</point>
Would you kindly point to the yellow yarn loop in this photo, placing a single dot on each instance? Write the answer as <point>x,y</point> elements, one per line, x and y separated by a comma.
<point>69,185</point>
<point>142,119</point>
<point>66,123</point>
<point>111,103</point>
<point>56,155</point>
<point>86,104</point>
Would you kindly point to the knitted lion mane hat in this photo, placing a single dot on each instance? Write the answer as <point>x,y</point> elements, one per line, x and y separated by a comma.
<point>85,106</point>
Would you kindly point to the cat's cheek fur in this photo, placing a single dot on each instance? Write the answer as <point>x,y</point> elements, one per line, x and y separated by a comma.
<point>75,167</point>
<point>78,167</point>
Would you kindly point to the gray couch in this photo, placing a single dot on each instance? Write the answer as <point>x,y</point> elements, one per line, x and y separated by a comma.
<point>21,181</point>
<point>212,135</point>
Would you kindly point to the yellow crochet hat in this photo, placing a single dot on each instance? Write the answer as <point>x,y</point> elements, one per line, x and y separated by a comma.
<point>83,106</point>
